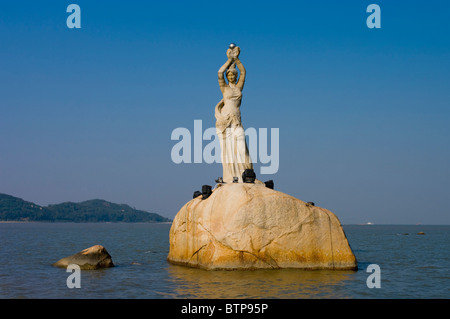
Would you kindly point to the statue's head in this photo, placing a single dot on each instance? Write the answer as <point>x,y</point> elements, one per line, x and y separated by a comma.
<point>232,74</point>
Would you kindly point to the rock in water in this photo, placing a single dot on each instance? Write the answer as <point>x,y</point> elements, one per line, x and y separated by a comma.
<point>94,257</point>
<point>250,226</point>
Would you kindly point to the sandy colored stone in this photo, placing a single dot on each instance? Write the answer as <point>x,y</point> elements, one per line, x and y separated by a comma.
<point>94,257</point>
<point>249,226</point>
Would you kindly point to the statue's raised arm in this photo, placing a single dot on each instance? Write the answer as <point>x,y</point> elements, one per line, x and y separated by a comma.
<point>223,68</point>
<point>235,53</point>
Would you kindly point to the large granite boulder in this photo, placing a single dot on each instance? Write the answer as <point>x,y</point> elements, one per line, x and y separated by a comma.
<point>94,257</point>
<point>250,226</point>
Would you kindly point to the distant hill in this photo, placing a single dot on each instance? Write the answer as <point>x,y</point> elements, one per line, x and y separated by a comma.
<point>96,210</point>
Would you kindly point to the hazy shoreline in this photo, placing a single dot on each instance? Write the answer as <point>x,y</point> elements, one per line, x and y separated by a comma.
<point>67,222</point>
<point>62,222</point>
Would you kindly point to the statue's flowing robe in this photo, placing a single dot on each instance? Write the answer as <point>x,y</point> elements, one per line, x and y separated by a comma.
<point>235,155</point>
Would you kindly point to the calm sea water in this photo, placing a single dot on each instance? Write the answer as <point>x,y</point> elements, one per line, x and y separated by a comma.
<point>412,265</point>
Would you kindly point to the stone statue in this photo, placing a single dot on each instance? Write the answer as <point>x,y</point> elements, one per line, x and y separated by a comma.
<point>249,225</point>
<point>235,154</point>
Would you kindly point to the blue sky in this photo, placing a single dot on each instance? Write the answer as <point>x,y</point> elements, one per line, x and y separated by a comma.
<point>363,114</point>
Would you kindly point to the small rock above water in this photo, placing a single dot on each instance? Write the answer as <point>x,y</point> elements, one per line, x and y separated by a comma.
<point>94,257</point>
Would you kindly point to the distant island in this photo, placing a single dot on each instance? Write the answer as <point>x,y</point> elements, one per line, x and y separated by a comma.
<point>96,210</point>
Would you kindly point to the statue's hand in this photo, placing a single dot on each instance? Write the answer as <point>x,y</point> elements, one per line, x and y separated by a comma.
<point>235,52</point>
<point>229,52</point>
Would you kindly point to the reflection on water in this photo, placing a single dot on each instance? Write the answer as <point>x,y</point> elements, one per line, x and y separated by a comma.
<point>283,283</point>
